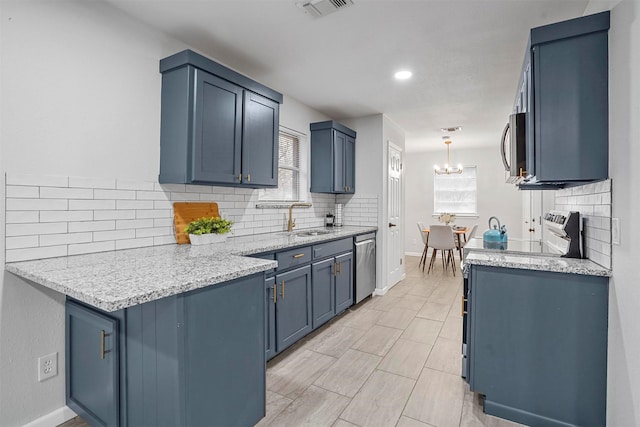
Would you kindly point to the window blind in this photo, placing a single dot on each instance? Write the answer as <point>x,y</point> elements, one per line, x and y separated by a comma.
<point>288,170</point>
<point>456,193</point>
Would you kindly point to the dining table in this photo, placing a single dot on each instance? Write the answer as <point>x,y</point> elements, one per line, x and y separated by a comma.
<point>459,233</point>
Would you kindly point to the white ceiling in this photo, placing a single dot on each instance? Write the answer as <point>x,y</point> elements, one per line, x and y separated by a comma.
<point>465,55</point>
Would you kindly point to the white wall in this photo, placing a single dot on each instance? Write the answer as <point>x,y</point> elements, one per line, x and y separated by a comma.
<point>623,391</point>
<point>495,198</point>
<point>80,97</point>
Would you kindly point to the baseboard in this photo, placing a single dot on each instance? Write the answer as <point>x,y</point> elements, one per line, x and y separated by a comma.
<point>54,418</point>
<point>413,254</point>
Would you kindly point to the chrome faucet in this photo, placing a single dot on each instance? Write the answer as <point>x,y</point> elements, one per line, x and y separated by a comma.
<point>292,222</point>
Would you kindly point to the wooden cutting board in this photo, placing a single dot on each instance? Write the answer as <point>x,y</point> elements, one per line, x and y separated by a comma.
<point>185,212</point>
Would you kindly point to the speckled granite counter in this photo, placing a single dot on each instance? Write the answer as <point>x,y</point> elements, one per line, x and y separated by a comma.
<point>523,255</point>
<point>119,279</point>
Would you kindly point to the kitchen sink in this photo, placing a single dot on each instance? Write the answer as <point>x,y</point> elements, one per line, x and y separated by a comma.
<point>307,233</point>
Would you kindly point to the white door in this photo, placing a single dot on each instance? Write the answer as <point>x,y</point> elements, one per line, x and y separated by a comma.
<point>395,255</point>
<point>532,213</point>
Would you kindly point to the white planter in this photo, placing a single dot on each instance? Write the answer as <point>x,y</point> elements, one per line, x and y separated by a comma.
<point>207,239</point>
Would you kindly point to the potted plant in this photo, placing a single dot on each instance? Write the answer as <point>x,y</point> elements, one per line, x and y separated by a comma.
<point>447,218</point>
<point>206,230</point>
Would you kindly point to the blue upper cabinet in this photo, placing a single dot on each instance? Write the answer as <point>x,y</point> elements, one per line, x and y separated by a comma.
<point>332,158</point>
<point>564,92</point>
<point>217,126</point>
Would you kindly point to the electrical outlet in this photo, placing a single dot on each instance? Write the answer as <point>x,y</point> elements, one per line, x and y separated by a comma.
<point>47,366</point>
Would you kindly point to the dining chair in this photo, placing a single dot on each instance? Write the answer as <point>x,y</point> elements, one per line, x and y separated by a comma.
<point>425,241</point>
<point>472,233</point>
<point>441,239</point>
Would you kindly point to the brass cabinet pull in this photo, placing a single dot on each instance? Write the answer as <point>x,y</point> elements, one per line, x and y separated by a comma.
<point>463,300</point>
<point>340,267</point>
<point>275,293</point>
<point>296,256</point>
<point>240,177</point>
<point>248,177</point>
<point>102,352</point>
<point>335,269</point>
<point>282,290</point>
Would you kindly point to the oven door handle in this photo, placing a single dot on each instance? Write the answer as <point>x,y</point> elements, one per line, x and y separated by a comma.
<point>503,148</point>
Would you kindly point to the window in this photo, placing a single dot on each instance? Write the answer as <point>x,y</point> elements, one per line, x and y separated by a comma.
<point>456,193</point>
<point>290,173</point>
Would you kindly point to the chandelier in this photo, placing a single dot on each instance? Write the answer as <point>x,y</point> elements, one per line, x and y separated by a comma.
<point>448,169</point>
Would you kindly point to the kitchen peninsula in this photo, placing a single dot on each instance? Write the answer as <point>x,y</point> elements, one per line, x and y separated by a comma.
<point>535,334</point>
<point>168,335</point>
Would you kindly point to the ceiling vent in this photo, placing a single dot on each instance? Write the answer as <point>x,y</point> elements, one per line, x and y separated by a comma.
<point>319,8</point>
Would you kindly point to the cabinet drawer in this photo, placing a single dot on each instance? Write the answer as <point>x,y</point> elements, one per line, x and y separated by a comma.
<point>323,250</point>
<point>293,257</point>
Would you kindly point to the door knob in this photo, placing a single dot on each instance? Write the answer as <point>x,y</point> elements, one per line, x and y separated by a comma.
<point>391,225</point>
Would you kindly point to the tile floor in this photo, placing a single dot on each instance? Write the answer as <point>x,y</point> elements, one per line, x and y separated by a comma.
<point>390,361</point>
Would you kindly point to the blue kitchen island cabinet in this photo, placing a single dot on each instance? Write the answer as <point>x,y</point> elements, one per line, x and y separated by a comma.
<point>332,158</point>
<point>217,126</point>
<point>538,345</point>
<point>193,359</point>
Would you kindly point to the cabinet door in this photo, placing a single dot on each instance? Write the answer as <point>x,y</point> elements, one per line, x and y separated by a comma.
<point>324,303</point>
<point>349,165</point>
<point>216,150</point>
<point>293,309</point>
<point>270,318</point>
<point>260,141</point>
<point>339,142</point>
<point>344,282</point>
<point>92,365</point>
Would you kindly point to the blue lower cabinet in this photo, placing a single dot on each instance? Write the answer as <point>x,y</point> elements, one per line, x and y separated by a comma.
<point>344,282</point>
<point>324,303</point>
<point>270,317</point>
<point>92,355</point>
<point>293,307</point>
<point>538,345</point>
<point>193,359</point>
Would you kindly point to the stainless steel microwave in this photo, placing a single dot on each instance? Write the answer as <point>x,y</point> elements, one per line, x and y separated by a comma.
<point>513,148</point>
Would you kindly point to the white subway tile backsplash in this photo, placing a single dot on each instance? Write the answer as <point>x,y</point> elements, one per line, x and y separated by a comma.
<point>33,229</point>
<point>36,204</point>
<point>152,232</point>
<point>99,236</point>
<point>133,223</point>
<point>21,242</point>
<point>15,255</point>
<point>153,213</point>
<point>164,222</point>
<point>82,205</point>
<point>21,217</point>
<point>134,243</point>
<point>66,193</point>
<point>37,180</point>
<point>134,204</point>
<point>88,248</point>
<point>152,195</point>
<point>83,215</point>
<point>80,182</point>
<point>19,191</point>
<point>77,227</point>
<point>115,194</point>
<point>114,214</point>
<point>64,239</point>
<point>59,216</point>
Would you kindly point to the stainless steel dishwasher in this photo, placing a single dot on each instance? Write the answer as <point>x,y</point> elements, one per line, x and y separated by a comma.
<point>365,265</point>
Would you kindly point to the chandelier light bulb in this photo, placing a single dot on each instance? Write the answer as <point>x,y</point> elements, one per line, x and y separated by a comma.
<point>436,167</point>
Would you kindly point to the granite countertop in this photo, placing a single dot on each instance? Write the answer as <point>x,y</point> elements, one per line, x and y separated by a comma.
<point>523,255</point>
<point>119,279</point>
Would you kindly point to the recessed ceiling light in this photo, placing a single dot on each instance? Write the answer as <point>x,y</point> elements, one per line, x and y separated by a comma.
<point>451,129</point>
<point>403,75</point>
